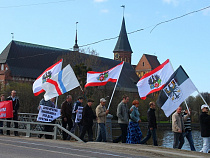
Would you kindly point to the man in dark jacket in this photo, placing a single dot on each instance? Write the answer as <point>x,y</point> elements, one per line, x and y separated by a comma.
<point>15,103</point>
<point>152,125</point>
<point>205,128</point>
<point>66,114</point>
<point>87,120</point>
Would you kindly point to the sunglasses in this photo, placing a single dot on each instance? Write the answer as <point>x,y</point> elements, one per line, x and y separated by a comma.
<point>206,108</point>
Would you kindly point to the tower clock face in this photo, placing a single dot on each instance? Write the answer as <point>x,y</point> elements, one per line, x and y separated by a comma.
<point>116,55</point>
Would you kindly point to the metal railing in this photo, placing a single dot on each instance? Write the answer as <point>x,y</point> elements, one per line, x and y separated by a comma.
<point>30,128</point>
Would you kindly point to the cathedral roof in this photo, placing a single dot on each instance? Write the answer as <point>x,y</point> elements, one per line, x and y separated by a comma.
<point>30,60</point>
<point>122,42</point>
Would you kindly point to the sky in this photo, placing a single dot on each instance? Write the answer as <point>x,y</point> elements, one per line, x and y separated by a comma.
<point>185,41</point>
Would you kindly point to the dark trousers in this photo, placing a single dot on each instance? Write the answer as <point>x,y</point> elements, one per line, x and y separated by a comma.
<point>123,136</point>
<point>178,140</point>
<point>149,134</point>
<point>47,128</point>
<point>87,128</point>
<point>1,125</point>
<point>15,117</point>
<point>64,124</point>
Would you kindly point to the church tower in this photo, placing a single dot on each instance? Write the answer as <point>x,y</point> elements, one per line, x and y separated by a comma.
<point>122,50</point>
<point>76,47</point>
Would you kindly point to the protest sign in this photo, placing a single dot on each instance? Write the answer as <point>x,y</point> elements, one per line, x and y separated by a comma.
<point>79,114</point>
<point>48,114</point>
<point>6,109</point>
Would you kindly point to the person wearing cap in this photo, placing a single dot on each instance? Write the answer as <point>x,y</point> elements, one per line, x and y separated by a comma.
<point>123,119</point>
<point>87,120</point>
<point>101,113</point>
<point>66,114</point>
<point>205,128</point>
<point>77,104</point>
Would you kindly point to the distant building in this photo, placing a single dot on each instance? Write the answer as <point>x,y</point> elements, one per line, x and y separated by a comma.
<point>146,64</point>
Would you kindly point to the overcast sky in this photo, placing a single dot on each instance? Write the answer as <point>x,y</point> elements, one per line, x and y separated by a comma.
<point>185,41</point>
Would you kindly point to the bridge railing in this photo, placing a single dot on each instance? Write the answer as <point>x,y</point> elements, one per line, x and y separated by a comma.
<point>30,128</point>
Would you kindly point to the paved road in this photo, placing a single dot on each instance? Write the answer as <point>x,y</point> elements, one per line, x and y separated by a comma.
<point>15,147</point>
<point>21,147</point>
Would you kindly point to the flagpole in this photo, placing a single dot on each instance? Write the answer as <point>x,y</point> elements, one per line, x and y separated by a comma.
<point>187,107</point>
<point>115,88</point>
<point>202,97</point>
<point>83,92</point>
<point>56,103</point>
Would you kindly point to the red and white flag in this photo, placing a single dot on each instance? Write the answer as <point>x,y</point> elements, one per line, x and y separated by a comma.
<point>101,78</point>
<point>154,80</point>
<point>48,73</point>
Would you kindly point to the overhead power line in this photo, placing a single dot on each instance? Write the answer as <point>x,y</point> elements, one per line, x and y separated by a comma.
<point>179,17</point>
<point>35,4</point>
<point>154,26</point>
<point>148,26</point>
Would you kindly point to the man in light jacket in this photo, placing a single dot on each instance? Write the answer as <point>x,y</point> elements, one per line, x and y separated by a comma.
<point>101,113</point>
<point>178,128</point>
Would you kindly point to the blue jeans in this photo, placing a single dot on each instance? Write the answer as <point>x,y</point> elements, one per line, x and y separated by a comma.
<point>188,135</point>
<point>101,135</point>
<point>178,140</point>
<point>149,134</point>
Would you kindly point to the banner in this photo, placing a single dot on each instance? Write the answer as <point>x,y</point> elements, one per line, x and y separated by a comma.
<point>48,114</point>
<point>154,80</point>
<point>101,78</point>
<point>47,74</point>
<point>79,114</point>
<point>60,83</point>
<point>176,90</point>
<point>6,109</point>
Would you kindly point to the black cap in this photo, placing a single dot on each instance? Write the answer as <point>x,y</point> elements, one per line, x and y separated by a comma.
<point>80,97</point>
<point>90,100</point>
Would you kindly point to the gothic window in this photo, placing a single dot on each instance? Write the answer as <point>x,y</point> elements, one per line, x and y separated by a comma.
<point>2,67</point>
<point>143,64</point>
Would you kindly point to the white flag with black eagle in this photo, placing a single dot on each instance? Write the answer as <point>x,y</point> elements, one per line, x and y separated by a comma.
<point>178,88</point>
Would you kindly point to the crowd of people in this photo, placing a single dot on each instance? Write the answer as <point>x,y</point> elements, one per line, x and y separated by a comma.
<point>76,115</point>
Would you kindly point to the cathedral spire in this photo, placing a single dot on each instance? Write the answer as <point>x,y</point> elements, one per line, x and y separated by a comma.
<point>122,50</point>
<point>76,47</point>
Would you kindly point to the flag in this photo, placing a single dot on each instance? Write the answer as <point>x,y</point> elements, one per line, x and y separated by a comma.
<point>154,80</point>
<point>48,73</point>
<point>101,78</point>
<point>176,90</point>
<point>60,83</point>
